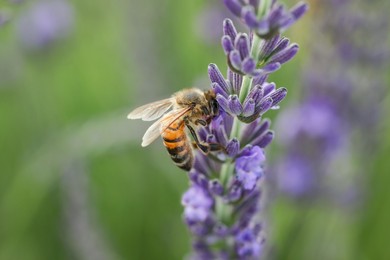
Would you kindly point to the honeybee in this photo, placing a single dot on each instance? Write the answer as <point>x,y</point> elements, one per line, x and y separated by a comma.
<point>190,108</point>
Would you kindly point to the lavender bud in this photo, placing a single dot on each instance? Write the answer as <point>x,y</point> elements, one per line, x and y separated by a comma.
<point>278,95</point>
<point>234,6</point>
<point>235,60</point>
<point>249,107</point>
<point>268,88</point>
<point>229,29</point>
<point>249,15</point>
<point>223,103</point>
<point>272,67</point>
<point>259,80</point>
<point>256,94</point>
<point>299,9</point>
<point>235,193</point>
<point>264,106</point>
<point>236,80</point>
<point>282,44</point>
<point>235,105</point>
<point>215,187</point>
<point>268,46</point>
<point>227,44</point>
<point>248,65</point>
<point>276,14</point>
<point>285,55</point>
<point>233,147</point>
<point>264,140</point>
<point>211,139</point>
<point>242,45</point>
<point>218,90</point>
<point>261,128</point>
<point>216,76</point>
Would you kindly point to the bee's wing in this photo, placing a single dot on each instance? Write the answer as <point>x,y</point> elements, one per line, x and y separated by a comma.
<point>161,125</point>
<point>151,111</point>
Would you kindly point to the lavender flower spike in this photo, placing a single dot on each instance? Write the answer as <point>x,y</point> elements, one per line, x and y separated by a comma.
<point>221,208</point>
<point>268,18</point>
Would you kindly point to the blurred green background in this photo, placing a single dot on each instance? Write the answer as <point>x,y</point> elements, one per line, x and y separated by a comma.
<point>74,180</point>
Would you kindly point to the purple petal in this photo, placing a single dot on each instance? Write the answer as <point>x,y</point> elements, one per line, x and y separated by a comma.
<point>268,46</point>
<point>261,128</point>
<point>259,80</point>
<point>278,95</point>
<point>215,187</point>
<point>234,6</point>
<point>248,65</point>
<point>264,106</point>
<point>216,76</point>
<point>229,29</point>
<point>249,107</point>
<point>235,105</point>
<point>268,88</point>
<point>264,140</point>
<point>299,9</point>
<point>235,193</point>
<point>233,147</point>
<point>242,45</point>
<point>281,45</point>
<point>256,93</point>
<point>248,13</point>
<point>285,55</point>
<point>275,14</point>
<point>263,27</point>
<point>235,59</point>
<point>223,103</point>
<point>236,80</point>
<point>218,90</point>
<point>271,67</point>
<point>227,44</point>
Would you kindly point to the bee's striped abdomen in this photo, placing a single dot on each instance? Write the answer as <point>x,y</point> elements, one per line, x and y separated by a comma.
<point>176,142</point>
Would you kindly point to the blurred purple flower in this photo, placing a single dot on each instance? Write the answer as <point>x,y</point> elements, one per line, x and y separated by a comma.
<point>340,100</point>
<point>44,23</point>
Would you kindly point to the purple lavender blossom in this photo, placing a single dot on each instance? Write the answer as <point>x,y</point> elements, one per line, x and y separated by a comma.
<point>339,101</point>
<point>273,52</point>
<point>45,22</point>
<point>266,18</point>
<point>249,242</point>
<point>222,205</point>
<point>197,204</point>
<point>248,166</point>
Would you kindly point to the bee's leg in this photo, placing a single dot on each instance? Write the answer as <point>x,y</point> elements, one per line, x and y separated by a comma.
<point>201,122</point>
<point>205,148</point>
<point>214,147</point>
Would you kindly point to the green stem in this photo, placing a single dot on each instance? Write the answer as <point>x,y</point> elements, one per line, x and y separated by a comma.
<point>264,6</point>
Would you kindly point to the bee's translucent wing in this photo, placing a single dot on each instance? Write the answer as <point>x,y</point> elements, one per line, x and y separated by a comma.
<point>160,126</point>
<point>151,111</point>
